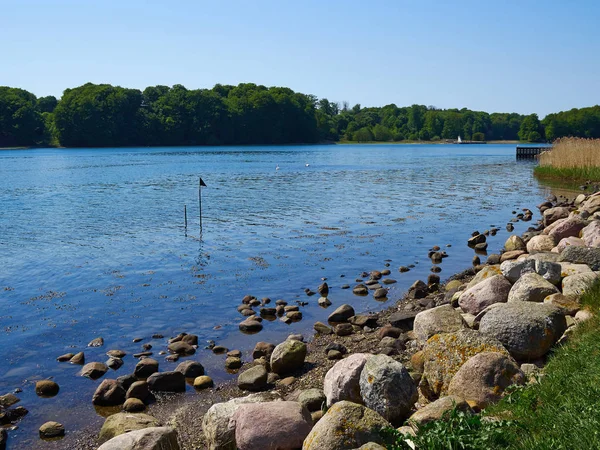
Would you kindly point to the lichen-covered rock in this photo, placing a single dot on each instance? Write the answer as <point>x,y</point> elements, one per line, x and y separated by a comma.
<point>567,269</point>
<point>124,423</point>
<point>514,242</point>
<point>435,410</point>
<point>152,438</point>
<point>484,274</point>
<point>444,354</point>
<point>486,293</point>
<point>288,356</point>
<point>442,319</point>
<point>342,381</point>
<point>568,304</point>
<point>346,425</point>
<point>270,426</point>
<point>527,329</point>
<point>483,379</point>
<point>387,388</point>
<point>215,423</point>
<point>531,287</point>
<point>578,284</point>
<point>541,243</point>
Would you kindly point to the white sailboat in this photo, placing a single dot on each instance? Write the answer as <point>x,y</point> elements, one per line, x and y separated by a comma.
<point>459,140</point>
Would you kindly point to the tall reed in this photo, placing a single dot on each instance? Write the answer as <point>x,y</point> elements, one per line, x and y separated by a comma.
<point>572,153</point>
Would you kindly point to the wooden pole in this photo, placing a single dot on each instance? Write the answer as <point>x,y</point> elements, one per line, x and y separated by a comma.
<point>185,215</point>
<point>200,200</point>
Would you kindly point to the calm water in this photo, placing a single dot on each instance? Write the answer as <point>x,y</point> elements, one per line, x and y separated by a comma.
<point>92,243</point>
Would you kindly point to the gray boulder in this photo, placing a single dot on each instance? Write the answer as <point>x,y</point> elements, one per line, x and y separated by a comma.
<point>541,243</point>
<point>387,388</point>
<point>341,314</point>
<point>152,438</point>
<point>513,270</point>
<point>551,215</point>
<point>166,382</point>
<point>253,379</point>
<point>591,234</point>
<point>531,287</point>
<point>288,357</point>
<point>190,369</point>
<point>581,255</point>
<point>486,293</point>
<point>346,425</point>
<point>514,242</point>
<point>550,271</point>
<point>527,329</point>
<point>578,284</point>
<point>342,381</point>
<point>312,399</point>
<point>442,319</point>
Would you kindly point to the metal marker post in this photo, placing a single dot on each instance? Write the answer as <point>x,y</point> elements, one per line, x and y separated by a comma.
<point>200,184</point>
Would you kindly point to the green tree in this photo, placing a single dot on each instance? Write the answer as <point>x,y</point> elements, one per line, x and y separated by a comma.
<point>531,129</point>
<point>363,135</point>
<point>21,123</point>
<point>381,133</point>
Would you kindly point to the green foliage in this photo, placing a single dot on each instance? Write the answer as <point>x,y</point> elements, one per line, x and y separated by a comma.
<point>457,430</point>
<point>567,174</point>
<point>105,115</point>
<point>531,129</point>
<point>363,135</point>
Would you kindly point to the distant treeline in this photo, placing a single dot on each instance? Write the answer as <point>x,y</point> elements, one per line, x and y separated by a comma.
<point>106,116</point>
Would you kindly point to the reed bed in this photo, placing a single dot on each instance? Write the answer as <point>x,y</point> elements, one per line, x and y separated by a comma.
<point>571,159</point>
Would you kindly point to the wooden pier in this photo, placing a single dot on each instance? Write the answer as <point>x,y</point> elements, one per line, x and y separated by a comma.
<point>530,151</point>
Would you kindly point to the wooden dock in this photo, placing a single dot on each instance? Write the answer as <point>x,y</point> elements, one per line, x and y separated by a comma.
<point>530,151</point>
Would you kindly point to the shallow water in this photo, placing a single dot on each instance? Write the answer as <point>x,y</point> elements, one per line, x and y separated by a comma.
<point>92,243</point>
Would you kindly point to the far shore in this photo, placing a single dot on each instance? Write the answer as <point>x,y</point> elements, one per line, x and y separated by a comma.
<point>254,145</point>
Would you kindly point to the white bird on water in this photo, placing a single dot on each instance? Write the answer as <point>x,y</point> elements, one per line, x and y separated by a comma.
<point>277,168</point>
<point>307,165</point>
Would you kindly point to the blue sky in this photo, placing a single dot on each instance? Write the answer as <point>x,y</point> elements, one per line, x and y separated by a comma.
<point>522,56</point>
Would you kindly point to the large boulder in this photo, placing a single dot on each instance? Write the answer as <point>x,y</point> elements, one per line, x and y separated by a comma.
<point>270,426</point>
<point>513,270</point>
<point>591,234</point>
<point>152,438</point>
<point>513,243</point>
<point>124,423</point>
<point>541,243</point>
<point>190,369</point>
<point>578,284</point>
<point>288,356</point>
<point>167,382</point>
<point>484,274</point>
<point>567,269</point>
<point>435,410</point>
<point>531,287</point>
<point>445,353</point>
<point>565,228</point>
<point>312,399</point>
<point>527,329</point>
<point>342,381</point>
<point>94,370</point>
<point>551,215</point>
<point>549,271</point>
<point>346,425</point>
<point>483,379</point>
<point>486,293</point>
<point>591,205</point>
<point>566,242</point>
<point>109,393</point>
<point>387,388</point>
<point>442,319</point>
<point>215,423</point>
<point>581,255</point>
<point>145,367</point>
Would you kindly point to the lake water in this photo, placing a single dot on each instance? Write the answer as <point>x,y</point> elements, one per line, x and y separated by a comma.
<point>93,243</point>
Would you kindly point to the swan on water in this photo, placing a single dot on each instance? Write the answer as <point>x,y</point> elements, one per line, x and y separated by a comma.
<point>277,168</point>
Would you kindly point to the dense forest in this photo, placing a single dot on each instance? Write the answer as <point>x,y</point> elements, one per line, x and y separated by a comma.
<point>102,115</point>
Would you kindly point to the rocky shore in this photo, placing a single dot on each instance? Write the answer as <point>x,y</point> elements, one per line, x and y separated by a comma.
<point>460,345</point>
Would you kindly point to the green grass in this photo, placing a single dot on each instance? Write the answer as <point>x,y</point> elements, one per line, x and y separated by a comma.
<point>561,411</point>
<point>574,174</point>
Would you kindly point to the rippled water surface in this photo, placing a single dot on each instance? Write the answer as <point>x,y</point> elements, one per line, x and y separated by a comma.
<point>93,243</point>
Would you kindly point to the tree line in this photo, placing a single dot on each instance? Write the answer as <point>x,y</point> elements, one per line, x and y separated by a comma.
<point>102,115</point>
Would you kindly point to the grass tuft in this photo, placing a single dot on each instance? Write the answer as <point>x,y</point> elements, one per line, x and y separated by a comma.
<point>571,159</point>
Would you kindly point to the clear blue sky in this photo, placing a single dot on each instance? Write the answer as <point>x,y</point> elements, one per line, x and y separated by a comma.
<point>517,55</point>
